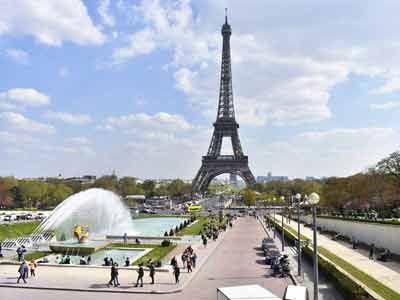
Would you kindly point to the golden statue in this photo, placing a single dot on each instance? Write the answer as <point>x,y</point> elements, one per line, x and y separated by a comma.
<point>81,233</point>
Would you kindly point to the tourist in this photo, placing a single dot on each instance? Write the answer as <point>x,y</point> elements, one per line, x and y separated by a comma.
<point>62,259</point>
<point>23,271</point>
<point>174,262</point>
<point>127,262</point>
<point>32,267</point>
<point>140,276</point>
<point>111,262</point>
<point>67,260</point>
<point>89,259</point>
<point>125,237</point>
<point>194,259</point>
<point>205,242</point>
<point>184,259</point>
<point>21,252</point>
<point>82,261</point>
<point>114,276</point>
<point>152,272</point>
<point>371,251</point>
<point>106,262</point>
<point>189,265</point>
<point>177,272</point>
<point>137,241</point>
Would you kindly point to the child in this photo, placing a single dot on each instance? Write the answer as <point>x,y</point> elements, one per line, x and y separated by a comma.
<point>32,268</point>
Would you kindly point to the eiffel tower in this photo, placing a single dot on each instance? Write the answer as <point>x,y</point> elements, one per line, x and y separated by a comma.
<point>214,164</point>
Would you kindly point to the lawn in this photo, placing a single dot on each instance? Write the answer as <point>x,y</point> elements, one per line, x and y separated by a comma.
<point>10,231</point>
<point>157,253</point>
<point>36,255</point>
<point>196,228</point>
<point>370,282</point>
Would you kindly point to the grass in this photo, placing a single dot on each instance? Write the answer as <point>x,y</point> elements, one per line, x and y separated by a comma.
<point>11,231</point>
<point>35,255</point>
<point>157,253</point>
<point>379,288</point>
<point>196,228</point>
<point>386,292</point>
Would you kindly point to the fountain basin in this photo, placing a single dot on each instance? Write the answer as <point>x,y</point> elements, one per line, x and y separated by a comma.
<point>79,249</point>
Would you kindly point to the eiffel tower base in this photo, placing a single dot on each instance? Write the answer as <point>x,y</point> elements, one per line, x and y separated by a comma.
<point>212,167</point>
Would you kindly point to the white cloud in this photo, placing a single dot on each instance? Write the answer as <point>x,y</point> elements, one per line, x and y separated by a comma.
<point>9,137</point>
<point>162,120</point>
<point>385,106</point>
<point>390,86</point>
<point>50,22</point>
<point>25,96</point>
<point>18,55</point>
<point>104,13</point>
<point>81,140</point>
<point>74,119</point>
<point>141,42</point>
<point>18,121</point>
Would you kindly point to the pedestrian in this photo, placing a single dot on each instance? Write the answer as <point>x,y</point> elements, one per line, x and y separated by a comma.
<point>152,272</point>
<point>371,251</point>
<point>194,259</point>
<point>205,242</point>
<point>23,271</point>
<point>89,259</point>
<point>174,262</point>
<point>184,259</point>
<point>140,276</point>
<point>125,238</point>
<point>177,272</point>
<point>21,252</point>
<point>32,268</point>
<point>127,262</point>
<point>189,265</point>
<point>114,276</point>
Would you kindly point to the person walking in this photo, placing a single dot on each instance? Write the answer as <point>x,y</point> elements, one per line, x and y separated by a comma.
<point>177,272</point>
<point>23,271</point>
<point>184,258</point>
<point>140,276</point>
<point>174,262</point>
<point>371,251</point>
<point>205,242</point>
<point>194,259</point>
<point>125,237</point>
<point>152,272</point>
<point>21,252</point>
<point>189,265</point>
<point>32,268</point>
<point>114,276</point>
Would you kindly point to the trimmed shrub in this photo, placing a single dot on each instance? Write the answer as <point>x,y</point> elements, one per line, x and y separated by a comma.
<point>165,243</point>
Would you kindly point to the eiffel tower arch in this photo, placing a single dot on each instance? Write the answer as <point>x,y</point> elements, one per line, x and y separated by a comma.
<point>225,126</point>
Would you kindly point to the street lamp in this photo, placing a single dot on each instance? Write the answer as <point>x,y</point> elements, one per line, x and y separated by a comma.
<point>298,198</point>
<point>283,228</point>
<point>313,200</point>
<point>274,217</point>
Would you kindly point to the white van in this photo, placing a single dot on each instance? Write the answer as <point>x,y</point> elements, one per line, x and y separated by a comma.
<point>296,292</point>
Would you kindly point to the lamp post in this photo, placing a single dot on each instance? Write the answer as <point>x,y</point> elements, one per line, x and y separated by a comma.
<point>283,228</point>
<point>298,198</point>
<point>274,217</point>
<point>313,200</point>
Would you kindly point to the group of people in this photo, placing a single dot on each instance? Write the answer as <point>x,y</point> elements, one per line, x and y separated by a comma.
<point>139,281</point>
<point>189,259</point>
<point>24,270</point>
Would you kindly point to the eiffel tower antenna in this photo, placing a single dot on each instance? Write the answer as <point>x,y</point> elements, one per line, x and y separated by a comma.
<point>214,164</point>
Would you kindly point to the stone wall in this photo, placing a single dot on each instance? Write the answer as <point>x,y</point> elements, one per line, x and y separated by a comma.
<point>382,235</point>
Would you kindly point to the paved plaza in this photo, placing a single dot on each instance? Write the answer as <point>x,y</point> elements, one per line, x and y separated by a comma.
<point>387,273</point>
<point>232,260</point>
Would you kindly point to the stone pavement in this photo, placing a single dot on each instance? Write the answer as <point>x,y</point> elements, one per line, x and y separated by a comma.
<point>235,261</point>
<point>387,273</point>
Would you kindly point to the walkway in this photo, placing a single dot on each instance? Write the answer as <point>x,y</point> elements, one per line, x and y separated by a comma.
<point>235,261</point>
<point>386,273</point>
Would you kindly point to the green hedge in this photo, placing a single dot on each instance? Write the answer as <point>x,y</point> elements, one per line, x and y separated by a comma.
<point>346,286</point>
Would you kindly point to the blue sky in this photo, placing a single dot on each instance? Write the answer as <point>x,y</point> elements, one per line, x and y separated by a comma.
<point>88,87</point>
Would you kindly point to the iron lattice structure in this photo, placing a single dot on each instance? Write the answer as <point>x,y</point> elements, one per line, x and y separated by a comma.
<point>214,164</point>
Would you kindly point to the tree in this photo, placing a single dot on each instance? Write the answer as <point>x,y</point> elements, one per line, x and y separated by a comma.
<point>149,187</point>
<point>6,186</point>
<point>128,186</point>
<point>391,166</point>
<point>249,197</point>
<point>108,182</point>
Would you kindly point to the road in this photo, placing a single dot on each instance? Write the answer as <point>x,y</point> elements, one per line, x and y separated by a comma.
<point>235,261</point>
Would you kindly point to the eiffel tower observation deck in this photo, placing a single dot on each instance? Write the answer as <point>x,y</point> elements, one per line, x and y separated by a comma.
<point>214,164</point>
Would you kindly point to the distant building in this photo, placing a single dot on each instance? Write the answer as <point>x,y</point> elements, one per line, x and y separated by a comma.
<point>134,200</point>
<point>161,202</point>
<point>86,179</point>
<point>270,177</point>
<point>312,178</point>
